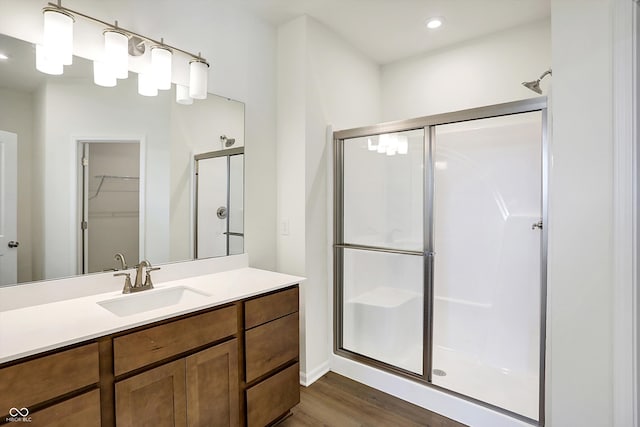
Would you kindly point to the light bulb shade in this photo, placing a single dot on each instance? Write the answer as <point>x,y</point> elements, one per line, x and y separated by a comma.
<point>383,142</point>
<point>103,74</point>
<point>116,53</point>
<point>45,65</point>
<point>147,85</point>
<point>161,67</point>
<point>198,79</point>
<point>403,144</point>
<point>182,95</point>
<point>58,36</point>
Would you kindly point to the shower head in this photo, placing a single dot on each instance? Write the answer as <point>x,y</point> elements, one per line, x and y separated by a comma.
<point>228,142</point>
<point>535,84</point>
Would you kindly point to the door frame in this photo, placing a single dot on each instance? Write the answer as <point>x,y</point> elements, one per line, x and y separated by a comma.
<point>626,213</point>
<point>77,175</point>
<point>12,145</point>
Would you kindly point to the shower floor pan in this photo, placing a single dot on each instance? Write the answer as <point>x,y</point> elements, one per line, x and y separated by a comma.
<point>514,391</point>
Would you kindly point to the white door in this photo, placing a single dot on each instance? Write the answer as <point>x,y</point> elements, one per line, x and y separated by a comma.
<point>8,208</point>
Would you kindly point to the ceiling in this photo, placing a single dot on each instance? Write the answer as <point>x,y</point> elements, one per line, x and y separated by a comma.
<point>390,30</point>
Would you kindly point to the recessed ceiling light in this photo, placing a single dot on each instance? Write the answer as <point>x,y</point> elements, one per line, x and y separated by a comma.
<point>433,23</point>
<point>3,56</point>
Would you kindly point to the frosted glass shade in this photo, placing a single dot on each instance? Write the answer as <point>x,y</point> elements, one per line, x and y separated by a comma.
<point>46,65</point>
<point>147,85</point>
<point>182,95</point>
<point>161,67</point>
<point>103,74</point>
<point>116,53</point>
<point>58,36</point>
<point>403,144</point>
<point>198,79</point>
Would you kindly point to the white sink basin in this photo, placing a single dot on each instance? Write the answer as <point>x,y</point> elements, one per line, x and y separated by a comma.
<point>153,299</point>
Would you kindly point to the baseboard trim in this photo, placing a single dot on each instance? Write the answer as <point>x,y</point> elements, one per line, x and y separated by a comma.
<point>308,378</point>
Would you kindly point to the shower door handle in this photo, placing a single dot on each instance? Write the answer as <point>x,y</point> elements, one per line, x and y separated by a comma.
<point>537,225</point>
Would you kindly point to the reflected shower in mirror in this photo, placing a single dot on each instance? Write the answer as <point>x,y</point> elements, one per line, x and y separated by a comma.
<point>63,228</point>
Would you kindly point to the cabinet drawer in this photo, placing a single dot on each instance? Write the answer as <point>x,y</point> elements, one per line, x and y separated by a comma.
<point>81,411</point>
<point>273,397</point>
<point>48,377</point>
<point>151,345</point>
<point>264,309</point>
<point>271,345</point>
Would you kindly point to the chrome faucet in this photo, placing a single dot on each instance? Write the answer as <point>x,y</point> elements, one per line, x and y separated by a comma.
<point>120,257</point>
<point>148,284</point>
<point>138,285</point>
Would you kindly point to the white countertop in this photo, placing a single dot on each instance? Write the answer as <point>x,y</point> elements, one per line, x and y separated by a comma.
<point>30,330</point>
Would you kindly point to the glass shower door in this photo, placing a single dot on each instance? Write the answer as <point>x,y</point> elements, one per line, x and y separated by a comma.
<point>219,203</point>
<point>381,249</point>
<point>487,275</point>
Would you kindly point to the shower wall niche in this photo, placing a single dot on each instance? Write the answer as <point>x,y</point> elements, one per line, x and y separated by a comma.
<point>439,252</point>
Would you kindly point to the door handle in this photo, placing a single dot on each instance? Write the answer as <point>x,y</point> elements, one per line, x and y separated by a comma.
<point>537,225</point>
<point>13,244</point>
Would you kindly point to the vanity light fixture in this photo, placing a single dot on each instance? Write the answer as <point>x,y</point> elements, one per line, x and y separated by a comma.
<point>147,84</point>
<point>45,65</point>
<point>198,71</point>
<point>182,95</point>
<point>161,66</point>
<point>57,37</point>
<point>103,74</point>
<point>116,52</point>
<point>57,50</point>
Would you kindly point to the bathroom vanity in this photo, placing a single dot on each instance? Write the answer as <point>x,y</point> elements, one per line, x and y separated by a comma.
<point>227,358</point>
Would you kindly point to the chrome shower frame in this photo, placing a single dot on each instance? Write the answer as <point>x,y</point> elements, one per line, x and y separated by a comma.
<point>428,124</point>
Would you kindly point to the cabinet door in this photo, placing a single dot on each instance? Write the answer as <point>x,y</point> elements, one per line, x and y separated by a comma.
<point>154,398</point>
<point>212,387</point>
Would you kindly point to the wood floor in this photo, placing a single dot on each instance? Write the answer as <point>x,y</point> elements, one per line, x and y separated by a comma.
<point>336,401</point>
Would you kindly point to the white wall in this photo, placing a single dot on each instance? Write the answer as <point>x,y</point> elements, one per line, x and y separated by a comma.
<point>321,81</point>
<point>242,53</point>
<point>16,115</point>
<point>579,375</point>
<point>484,71</point>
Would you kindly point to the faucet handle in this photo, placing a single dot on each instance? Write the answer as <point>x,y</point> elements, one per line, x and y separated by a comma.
<point>127,282</point>
<point>147,279</point>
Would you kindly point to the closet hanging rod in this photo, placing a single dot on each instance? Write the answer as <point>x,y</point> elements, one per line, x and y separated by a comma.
<point>103,177</point>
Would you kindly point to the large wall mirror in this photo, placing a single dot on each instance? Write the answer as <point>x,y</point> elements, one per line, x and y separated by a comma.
<point>98,171</point>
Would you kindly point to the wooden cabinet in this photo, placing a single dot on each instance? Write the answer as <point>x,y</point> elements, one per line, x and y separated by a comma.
<point>199,389</point>
<point>212,387</point>
<point>271,356</point>
<point>138,349</point>
<point>80,411</point>
<point>153,398</point>
<point>274,397</point>
<point>52,377</point>
<point>222,367</point>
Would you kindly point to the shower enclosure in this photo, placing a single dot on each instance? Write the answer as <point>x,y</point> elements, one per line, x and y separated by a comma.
<point>439,252</point>
<point>219,203</point>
